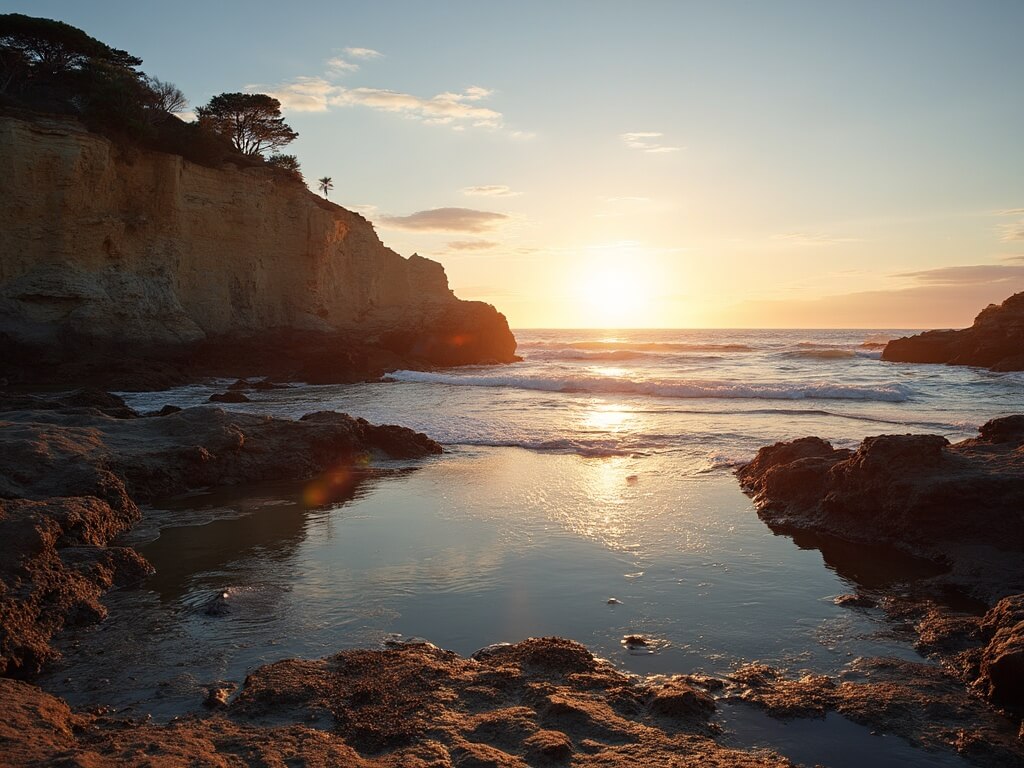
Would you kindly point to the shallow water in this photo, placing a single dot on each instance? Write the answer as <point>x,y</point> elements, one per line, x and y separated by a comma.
<point>568,480</point>
<point>478,546</point>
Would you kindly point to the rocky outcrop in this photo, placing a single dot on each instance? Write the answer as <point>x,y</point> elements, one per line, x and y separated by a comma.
<point>110,249</point>
<point>962,503</point>
<point>959,504</point>
<point>73,469</point>
<point>541,702</point>
<point>1001,675</point>
<point>996,341</point>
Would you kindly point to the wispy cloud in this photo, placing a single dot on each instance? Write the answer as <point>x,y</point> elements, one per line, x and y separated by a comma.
<point>1013,232</point>
<point>458,110</point>
<point>472,245</point>
<point>1009,212</point>
<point>338,64</point>
<point>648,141</point>
<point>363,53</point>
<point>967,275</point>
<point>490,190</point>
<point>447,220</point>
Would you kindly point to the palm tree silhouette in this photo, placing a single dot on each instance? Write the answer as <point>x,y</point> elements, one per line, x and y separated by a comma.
<point>326,185</point>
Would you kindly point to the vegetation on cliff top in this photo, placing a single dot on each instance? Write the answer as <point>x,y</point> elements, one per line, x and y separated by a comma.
<point>49,67</point>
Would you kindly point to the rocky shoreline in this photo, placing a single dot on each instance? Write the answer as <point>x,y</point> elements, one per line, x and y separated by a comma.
<point>960,505</point>
<point>77,466</point>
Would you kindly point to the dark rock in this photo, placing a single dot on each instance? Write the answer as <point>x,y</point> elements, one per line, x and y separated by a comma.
<point>962,504</point>
<point>228,397</point>
<point>217,698</point>
<point>1002,661</point>
<point>548,745</point>
<point>70,475</point>
<point>678,699</point>
<point>855,601</point>
<point>996,341</point>
<point>167,410</point>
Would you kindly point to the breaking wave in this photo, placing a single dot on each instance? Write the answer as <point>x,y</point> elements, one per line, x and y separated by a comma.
<point>892,393</point>
<point>643,346</point>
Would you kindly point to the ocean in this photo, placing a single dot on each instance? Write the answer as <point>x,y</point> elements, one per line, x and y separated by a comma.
<point>587,492</point>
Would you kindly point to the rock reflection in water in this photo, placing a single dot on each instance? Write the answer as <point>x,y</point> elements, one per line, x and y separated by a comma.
<point>273,523</point>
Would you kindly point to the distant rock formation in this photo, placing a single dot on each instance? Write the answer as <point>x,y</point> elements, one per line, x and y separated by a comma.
<point>111,250</point>
<point>995,341</point>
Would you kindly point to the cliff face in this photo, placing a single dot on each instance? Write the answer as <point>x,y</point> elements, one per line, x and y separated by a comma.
<point>996,341</point>
<point>114,245</point>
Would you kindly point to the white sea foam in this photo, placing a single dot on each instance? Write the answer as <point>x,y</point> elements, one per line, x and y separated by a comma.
<point>893,393</point>
<point>643,346</point>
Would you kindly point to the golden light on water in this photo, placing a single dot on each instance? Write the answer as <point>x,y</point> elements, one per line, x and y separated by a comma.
<point>605,417</point>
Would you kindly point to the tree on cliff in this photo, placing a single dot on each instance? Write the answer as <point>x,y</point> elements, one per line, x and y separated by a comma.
<point>36,49</point>
<point>326,185</point>
<point>252,121</point>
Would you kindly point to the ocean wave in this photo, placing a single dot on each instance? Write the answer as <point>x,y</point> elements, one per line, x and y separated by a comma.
<point>582,354</point>
<point>587,448</point>
<point>821,354</point>
<point>877,341</point>
<point>893,393</point>
<point>642,346</point>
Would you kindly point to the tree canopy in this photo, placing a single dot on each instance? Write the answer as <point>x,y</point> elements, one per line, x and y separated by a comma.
<point>35,47</point>
<point>252,121</point>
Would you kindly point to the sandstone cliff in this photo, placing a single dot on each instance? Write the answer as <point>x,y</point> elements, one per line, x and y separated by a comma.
<point>112,246</point>
<point>996,341</point>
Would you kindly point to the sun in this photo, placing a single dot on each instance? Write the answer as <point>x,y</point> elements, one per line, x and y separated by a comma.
<point>613,287</point>
<point>613,295</point>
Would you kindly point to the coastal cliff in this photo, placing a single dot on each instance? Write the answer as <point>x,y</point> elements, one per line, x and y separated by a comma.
<point>109,248</point>
<point>996,341</point>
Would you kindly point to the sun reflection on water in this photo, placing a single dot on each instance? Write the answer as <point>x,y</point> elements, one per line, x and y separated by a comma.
<point>607,417</point>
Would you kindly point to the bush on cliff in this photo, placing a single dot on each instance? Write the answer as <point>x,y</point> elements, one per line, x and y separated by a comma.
<point>49,67</point>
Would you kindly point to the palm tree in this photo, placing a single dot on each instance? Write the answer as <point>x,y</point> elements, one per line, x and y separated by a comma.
<point>326,185</point>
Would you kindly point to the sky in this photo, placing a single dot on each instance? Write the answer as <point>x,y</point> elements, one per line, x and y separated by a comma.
<point>644,164</point>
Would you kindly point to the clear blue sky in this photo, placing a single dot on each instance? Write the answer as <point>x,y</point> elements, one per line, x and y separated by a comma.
<point>652,163</point>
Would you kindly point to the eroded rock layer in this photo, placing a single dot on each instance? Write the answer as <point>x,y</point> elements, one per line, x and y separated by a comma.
<point>108,250</point>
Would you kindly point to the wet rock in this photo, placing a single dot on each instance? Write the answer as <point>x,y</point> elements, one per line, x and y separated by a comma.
<point>1001,676</point>
<point>410,706</point>
<point>217,697</point>
<point>677,698</point>
<point>228,397</point>
<point>962,504</point>
<point>54,567</point>
<point>258,384</point>
<point>548,745</point>
<point>70,476</point>
<point>167,410</point>
<point>855,601</point>
<point>996,341</point>
<point>91,400</point>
